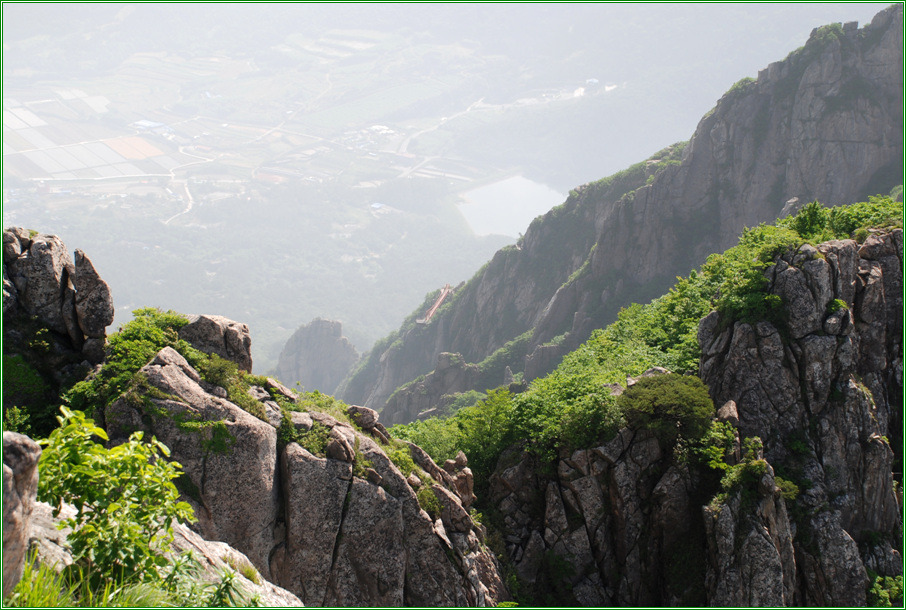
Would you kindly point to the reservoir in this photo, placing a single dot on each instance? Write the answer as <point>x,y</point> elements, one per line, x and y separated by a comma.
<point>508,206</point>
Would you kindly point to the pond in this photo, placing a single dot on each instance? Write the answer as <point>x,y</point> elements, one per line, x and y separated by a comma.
<point>508,206</point>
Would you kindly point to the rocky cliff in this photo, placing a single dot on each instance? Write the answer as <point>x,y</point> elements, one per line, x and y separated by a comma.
<point>317,356</point>
<point>56,309</point>
<point>628,523</point>
<point>338,523</point>
<point>825,123</point>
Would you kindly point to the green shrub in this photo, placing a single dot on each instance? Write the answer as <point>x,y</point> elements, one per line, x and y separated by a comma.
<point>836,305</point>
<point>885,591</point>
<point>128,350</point>
<point>428,501</point>
<point>670,405</point>
<point>125,500</point>
<point>788,489</point>
<point>16,420</point>
<point>402,458</point>
<point>714,447</point>
<point>314,440</point>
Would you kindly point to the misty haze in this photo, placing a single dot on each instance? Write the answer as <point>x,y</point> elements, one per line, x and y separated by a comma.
<point>453,305</point>
<point>276,163</point>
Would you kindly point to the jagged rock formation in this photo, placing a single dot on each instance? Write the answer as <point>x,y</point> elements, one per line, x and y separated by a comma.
<point>40,279</point>
<point>20,487</point>
<point>345,529</point>
<point>824,392</point>
<point>762,570</point>
<point>612,529</point>
<point>625,524</point>
<point>317,356</point>
<point>825,123</point>
<point>222,336</point>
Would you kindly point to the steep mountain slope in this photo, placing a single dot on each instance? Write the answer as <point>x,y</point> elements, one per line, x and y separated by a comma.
<point>825,123</point>
<point>614,482</point>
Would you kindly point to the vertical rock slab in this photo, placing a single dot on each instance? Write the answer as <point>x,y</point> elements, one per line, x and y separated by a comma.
<point>751,562</point>
<point>93,303</point>
<point>229,457</point>
<point>41,277</point>
<point>315,491</point>
<point>20,487</point>
<point>369,568</point>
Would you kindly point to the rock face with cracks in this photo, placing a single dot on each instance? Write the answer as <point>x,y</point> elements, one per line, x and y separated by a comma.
<point>338,528</point>
<point>624,523</point>
<point>41,280</point>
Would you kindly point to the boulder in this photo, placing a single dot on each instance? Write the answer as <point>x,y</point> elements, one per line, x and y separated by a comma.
<point>93,303</point>
<point>20,488</point>
<point>221,336</point>
<point>229,456</point>
<point>41,276</point>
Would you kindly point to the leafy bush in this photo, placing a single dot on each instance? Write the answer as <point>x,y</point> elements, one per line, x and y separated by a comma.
<point>788,489</point>
<point>428,501</point>
<point>670,405</point>
<point>42,586</point>
<point>125,500</point>
<point>402,458</point>
<point>739,273</point>
<point>314,440</point>
<point>16,420</point>
<point>885,591</point>
<point>128,350</point>
<point>714,447</point>
<point>816,223</point>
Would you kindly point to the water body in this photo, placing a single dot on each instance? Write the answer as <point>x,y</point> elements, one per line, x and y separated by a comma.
<point>507,207</point>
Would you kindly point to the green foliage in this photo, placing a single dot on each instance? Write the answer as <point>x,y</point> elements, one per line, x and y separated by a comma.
<point>816,223</point>
<point>359,462</point>
<point>402,458</point>
<point>670,405</point>
<point>19,377</point>
<point>836,305</point>
<point>788,489</point>
<point>16,420</point>
<point>438,437</point>
<point>125,500</point>
<point>24,385</point>
<point>481,431</point>
<point>739,273</point>
<point>714,447</point>
<point>316,439</point>
<point>128,350</point>
<point>217,370</point>
<point>741,86</point>
<point>428,501</point>
<point>884,591</point>
<point>745,475</point>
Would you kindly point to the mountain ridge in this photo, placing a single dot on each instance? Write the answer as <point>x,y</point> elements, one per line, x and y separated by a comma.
<point>788,135</point>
